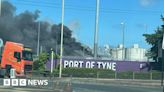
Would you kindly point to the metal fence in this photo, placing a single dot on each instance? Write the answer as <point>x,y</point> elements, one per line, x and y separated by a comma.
<point>131,75</point>
<point>118,75</point>
<point>102,74</point>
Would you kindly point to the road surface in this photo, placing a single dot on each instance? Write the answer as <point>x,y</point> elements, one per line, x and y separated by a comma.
<point>113,88</point>
<point>17,89</point>
<point>84,87</point>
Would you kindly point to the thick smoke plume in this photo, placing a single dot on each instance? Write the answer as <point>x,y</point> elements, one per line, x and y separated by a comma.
<point>23,28</point>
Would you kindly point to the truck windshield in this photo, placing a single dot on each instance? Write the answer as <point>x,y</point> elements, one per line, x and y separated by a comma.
<point>27,55</point>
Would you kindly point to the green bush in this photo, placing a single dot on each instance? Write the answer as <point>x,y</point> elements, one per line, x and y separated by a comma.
<point>125,75</point>
<point>88,73</point>
<point>39,64</point>
<point>102,73</point>
<point>156,75</point>
<point>142,75</point>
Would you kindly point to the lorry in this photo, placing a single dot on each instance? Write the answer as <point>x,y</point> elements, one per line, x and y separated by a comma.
<point>15,56</point>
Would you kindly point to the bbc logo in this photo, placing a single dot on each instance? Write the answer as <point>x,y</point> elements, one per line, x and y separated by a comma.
<point>14,82</point>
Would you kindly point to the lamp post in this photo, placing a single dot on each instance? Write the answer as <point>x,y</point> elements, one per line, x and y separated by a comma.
<point>52,60</point>
<point>123,39</point>
<point>96,30</point>
<point>162,55</point>
<point>38,43</point>
<point>61,44</point>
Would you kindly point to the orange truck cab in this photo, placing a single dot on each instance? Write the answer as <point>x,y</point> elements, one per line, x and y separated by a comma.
<point>17,56</point>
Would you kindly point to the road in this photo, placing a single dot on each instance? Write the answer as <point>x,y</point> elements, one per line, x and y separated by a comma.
<point>87,88</point>
<point>78,86</point>
<point>113,88</point>
<point>13,89</point>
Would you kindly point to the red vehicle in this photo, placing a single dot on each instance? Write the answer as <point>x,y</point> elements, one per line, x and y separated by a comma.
<point>17,56</point>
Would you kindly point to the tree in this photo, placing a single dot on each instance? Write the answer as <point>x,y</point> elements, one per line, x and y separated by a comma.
<point>40,63</point>
<point>155,40</point>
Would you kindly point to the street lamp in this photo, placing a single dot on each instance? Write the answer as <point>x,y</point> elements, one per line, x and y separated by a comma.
<point>52,60</point>
<point>123,39</point>
<point>96,30</point>
<point>38,43</point>
<point>61,44</point>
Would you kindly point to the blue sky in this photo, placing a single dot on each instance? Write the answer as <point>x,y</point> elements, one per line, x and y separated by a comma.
<point>139,17</point>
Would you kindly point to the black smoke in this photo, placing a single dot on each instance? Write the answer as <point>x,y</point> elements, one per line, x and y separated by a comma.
<point>23,28</point>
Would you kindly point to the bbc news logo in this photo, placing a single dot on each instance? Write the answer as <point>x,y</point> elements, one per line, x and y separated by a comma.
<point>24,82</point>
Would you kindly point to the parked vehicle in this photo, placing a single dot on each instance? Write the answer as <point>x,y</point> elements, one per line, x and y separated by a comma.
<point>17,56</point>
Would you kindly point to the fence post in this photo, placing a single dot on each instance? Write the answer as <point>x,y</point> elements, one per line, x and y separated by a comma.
<point>115,75</point>
<point>97,75</point>
<point>151,76</point>
<point>133,75</point>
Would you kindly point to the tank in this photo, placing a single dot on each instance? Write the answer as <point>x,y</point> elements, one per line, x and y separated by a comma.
<point>118,53</point>
<point>135,53</point>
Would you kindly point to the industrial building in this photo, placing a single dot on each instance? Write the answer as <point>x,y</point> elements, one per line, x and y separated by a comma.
<point>135,53</point>
<point>120,53</point>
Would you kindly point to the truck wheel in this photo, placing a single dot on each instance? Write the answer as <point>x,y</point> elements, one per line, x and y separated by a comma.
<point>8,67</point>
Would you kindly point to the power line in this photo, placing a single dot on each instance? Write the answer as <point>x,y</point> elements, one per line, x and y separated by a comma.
<point>35,1</point>
<point>86,9</point>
